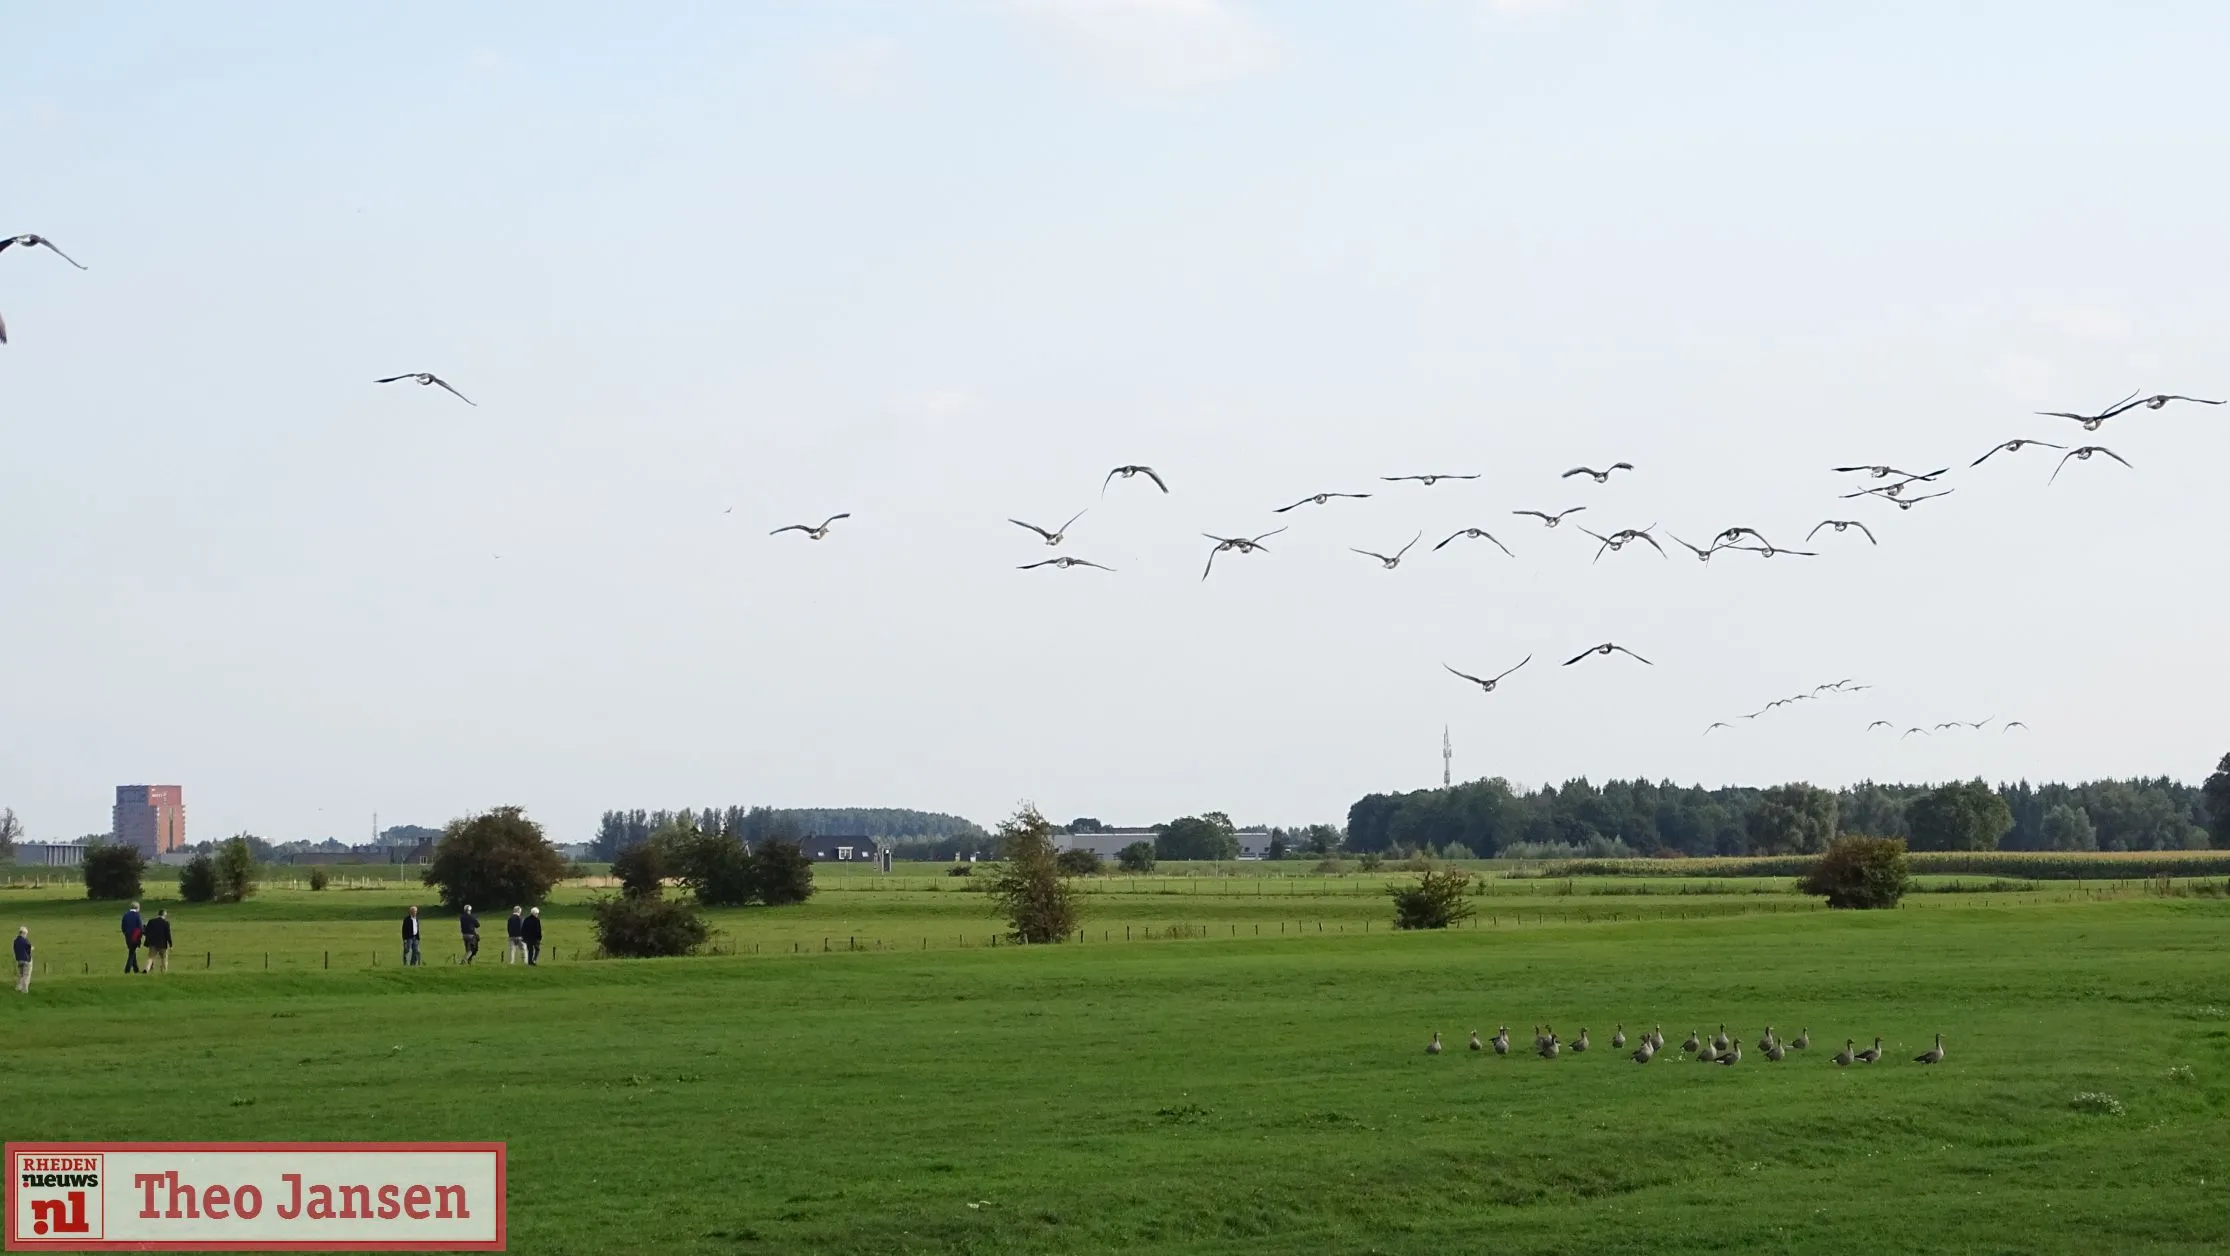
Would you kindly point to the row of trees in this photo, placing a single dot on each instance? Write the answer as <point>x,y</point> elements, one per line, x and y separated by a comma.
<point>619,830</point>
<point>1490,816</point>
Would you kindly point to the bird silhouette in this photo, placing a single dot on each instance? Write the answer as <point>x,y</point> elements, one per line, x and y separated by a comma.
<point>1548,519</point>
<point>1427,480</point>
<point>1064,562</point>
<point>2157,400</point>
<point>1605,648</point>
<point>2091,422</point>
<point>1395,560</point>
<point>2013,447</point>
<point>1618,540</point>
<point>1474,534</point>
<point>1128,472</point>
<point>1841,525</point>
<point>2082,453</point>
<point>811,533</point>
<point>1720,724</point>
<point>1702,554</point>
<point>1487,686</point>
<point>427,377</point>
<point>1243,544</point>
<point>1315,499</point>
<point>1056,536</point>
<point>39,241</point>
<point>1879,724</point>
<point>1600,477</point>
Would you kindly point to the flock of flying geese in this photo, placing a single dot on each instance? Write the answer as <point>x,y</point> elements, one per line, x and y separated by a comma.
<point>1718,1049</point>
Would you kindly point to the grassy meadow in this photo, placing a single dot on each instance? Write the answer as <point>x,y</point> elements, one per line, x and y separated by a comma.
<point>1216,1088</point>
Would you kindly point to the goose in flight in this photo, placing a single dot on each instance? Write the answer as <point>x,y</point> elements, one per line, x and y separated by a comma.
<point>427,377</point>
<point>1128,472</point>
<point>1315,499</point>
<point>2013,447</point>
<point>1702,555</point>
<point>1056,536</point>
<point>1064,562</point>
<point>1474,534</point>
<point>1606,648</point>
<point>1547,519</point>
<point>2091,422</point>
<point>37,241</point>
<point>2157,400</point>
<point>1395,560</point>
<point>1617,541</point>
<point>1731,535</point>
<point>1719,724</point>
<point>1910,731</point>
<point>2082,453</point>
<point>1905,503</point>
<point>812,533</point>
<point>1243,544</point>
<point>1601,477</point>
<point>1487,686</point>
<point>1949,724</point>
<point>1774,551</point>
<point>1879,724</point>
<point>1882,472</point>
<point>1427,480</point>
<point>1841,525</point>
<point>2010,725</point>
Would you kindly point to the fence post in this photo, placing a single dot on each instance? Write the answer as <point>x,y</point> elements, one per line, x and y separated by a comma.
<point>329,959</point>
<point>208,959</point>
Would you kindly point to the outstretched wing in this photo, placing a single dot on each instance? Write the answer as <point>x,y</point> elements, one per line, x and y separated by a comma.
<point>795,527</point>
<point>1258,540</point>
<point>1467,676</point>
<point>1086,562</point>
<point>1072,520</point>
<point>1406,548</point>
<point>1034,528</point>
<point>1521,662</point>
<point>1444,545</point>
<point>2115,456</point>
<point>1581,655</point>
<point>1986,457</point>
<point>1630,654</point>
<point>2063,464</point>
<point>1155,476</point>
<point>1863,528</point>
<point>394,378</point>
<point>1043,562</point>
<point>1538,514</point>
<point>833,518</point>
<point>1622,466</point>
<point>1645,536</point>
<point>453,392</point>
<point>1211,561</point>
<point>1578,471</point>
<point>1816,528</point>
<point>2119,406</point>
<point>59,253</point>
<point>1497,543</point>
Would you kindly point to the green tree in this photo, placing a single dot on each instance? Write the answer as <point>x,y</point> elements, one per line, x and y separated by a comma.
<point>780,874</point>
<point>646,925</point>
<point>112,870</point>
<point>1278,845</point>
<point>320,878</point>
<point>2067,828</point>
<point>1860,872</point>
<point>1964,816</point>
<point>1792,819</point>
<point>1322,839</point>
<point>1029,888</point>
<point>2216,793</point>
<point>498,856</point>
<point>197,881</point>
<point>1078,862</point>
<point>236,871</point>
<point>1208,837</point>
<point>1136,857</point>
<point>1436,901</point>
<point>641,870</point>
<point>11,829</point>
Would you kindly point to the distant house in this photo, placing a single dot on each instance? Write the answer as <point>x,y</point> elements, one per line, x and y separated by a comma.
<point>49,854</point>
<point>837,848</point>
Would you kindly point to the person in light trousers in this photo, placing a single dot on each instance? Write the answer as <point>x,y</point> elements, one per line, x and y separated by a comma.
<point>23,959</point>
<point>515,951</point>
<point>158,942</point>
<point>410,939</point>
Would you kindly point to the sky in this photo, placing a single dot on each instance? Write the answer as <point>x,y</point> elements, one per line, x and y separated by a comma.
<point>709,270</point>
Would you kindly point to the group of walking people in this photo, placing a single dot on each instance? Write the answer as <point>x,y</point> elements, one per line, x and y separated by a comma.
<point>154,934</point>
<point>523,930</point>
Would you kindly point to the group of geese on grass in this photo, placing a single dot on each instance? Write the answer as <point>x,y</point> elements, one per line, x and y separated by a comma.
<point>1718,1049</point>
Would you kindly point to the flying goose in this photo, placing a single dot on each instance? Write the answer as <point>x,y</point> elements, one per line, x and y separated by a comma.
<point>1474,534</point>
<point>1427,480</point>
<point>1433,1047</point>
<point>1844,1057</point>
<point>1910,731</point>
<point>2157,400</point>
<point>1548,519</point>
<point>1618,1036</point>
<point>1600,477</point>
<point>1872,1053</point>
<point>1502,1041</point>
<point>1477,1045</point>
<point>1773,551</point>
<point>1802,1041</point>
<point>1907,503</point>
<point>427,377</point>
<point>1841,525</point>
<point>1721,1041</point>
<point>1056,536</point>
<point>1702,555</point>
<point>1605,648</point>
<point>1977,724</point>
<point>1618,540</point>
<point>1064,562</point>
<point>1716,724</point>
<point>1580,1043</point>
<point>2091,422</point>
<point>2010,725</point>
<point>2013,447</point>
<point>1731,535</point>
<point>2082,453</point>
<point>1395,561</point>
<point>1315,499</point>
<point>1243,544</point>
<point>1880,472</point>
<point>1879,724</point>
<point>811,533</point>
<point>1128,472</point>
<point>1933,1055</point>
<point>1487,686</point>
<point>1692,1042</point>
<point>36,241</point>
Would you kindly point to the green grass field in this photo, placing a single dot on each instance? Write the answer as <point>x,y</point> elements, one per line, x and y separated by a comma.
<point>1231,1092</point>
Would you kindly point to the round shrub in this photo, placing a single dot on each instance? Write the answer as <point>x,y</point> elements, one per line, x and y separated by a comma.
<point>1860,872</point>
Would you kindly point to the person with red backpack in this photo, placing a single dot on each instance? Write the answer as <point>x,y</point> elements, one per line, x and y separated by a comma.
<point>134,931</point>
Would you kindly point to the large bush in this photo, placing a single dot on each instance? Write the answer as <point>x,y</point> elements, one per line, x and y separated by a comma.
<point>1860,872</point>
<point>113,870</point>
<point>1436,901</point>
<point>495,858</point>
<point>1078,862</point>
<point>641,870</point>
<point>1136,857</point>
<point>235,871</point>
<point>780,874</point>
<point>715,867</point>
<point>1029,887</point>
<point>320,878</point>
<point>1208,837</point>
<point>197,881</point>
<point>644,926</point>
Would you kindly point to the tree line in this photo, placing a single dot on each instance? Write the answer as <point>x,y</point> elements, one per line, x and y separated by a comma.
<point>619,830</point>
<point>1485,818</point>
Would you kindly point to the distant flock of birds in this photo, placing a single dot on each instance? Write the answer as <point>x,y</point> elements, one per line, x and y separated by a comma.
<point>1846,686</point>
<point>1740,538</point>
<point>1718,1049</point>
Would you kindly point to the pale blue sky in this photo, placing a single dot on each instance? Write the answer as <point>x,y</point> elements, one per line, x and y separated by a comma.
<point>940,264</point>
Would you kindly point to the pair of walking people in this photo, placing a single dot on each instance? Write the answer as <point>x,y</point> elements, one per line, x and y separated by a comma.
<point>523,931</point>
<point>154,934</point>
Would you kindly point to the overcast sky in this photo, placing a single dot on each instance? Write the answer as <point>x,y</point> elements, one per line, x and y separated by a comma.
<point>939,264</point>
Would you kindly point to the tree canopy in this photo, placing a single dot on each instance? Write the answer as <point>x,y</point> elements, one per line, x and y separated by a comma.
<point>1209,836</point>
<point>2217,794</point>
<point>496,860</point>
<point>1967,815</point>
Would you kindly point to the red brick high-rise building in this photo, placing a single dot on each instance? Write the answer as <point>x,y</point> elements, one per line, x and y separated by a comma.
<point>150,817</point>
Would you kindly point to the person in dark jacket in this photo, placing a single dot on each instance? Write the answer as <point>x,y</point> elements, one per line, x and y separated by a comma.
<point>530,932</point>
<point>158,942</point>
<point>410,938</point>
<point>469,926</point>
<point>133,934</point>
<point>23,959</point>
<point>515,950</point>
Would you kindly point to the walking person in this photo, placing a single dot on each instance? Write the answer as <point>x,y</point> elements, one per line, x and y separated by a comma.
<point>469,926</point>
<point>158,942</point>
<point>23,959</point>
<point>515,950</point>
<point>410,938</point>
<point>530,933</point>
<point>133,934</point>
